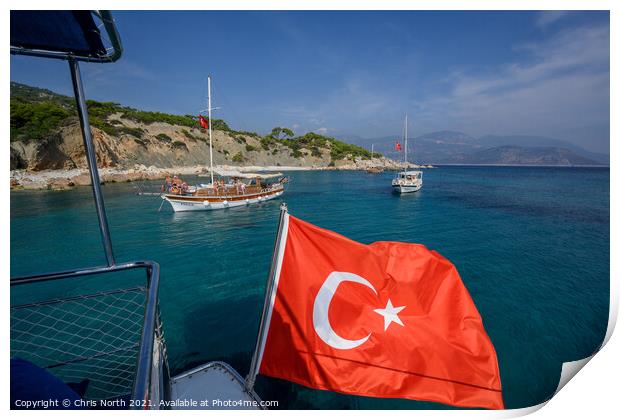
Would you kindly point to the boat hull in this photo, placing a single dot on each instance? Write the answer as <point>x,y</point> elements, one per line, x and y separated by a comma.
<point>215,382</point>
<point>405,189</point>
<point>197,203</point>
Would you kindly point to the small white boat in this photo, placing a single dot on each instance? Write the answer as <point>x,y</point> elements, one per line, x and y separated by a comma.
<point>407,181</point>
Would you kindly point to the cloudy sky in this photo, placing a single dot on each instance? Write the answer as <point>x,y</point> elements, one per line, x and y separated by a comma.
<point>357,73</point>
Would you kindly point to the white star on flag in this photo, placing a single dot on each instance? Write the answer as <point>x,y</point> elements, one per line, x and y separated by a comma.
<point>389,314</point>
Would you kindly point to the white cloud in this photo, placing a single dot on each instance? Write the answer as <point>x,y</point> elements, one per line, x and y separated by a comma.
<point>563,81</point>
<point>547,17</point>
<point>355,102</point>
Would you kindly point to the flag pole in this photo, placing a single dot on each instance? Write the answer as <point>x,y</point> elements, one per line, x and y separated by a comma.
<point>260,339</point>
<point>210,124</point>
<point>406,161</point>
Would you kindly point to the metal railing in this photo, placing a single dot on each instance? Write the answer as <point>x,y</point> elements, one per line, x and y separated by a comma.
<point>91,335</point>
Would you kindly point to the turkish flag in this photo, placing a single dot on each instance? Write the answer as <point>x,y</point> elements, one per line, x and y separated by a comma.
<point>388,320</point>
<point>398,146</point>
<point>203,122</point>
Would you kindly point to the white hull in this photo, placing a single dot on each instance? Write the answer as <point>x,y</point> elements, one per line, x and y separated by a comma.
<point>217,383</point>
<point>403,189</point>
<point>184,205</point>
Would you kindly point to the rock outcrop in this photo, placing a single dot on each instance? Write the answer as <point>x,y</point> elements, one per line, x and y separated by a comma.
<point>165,145</point>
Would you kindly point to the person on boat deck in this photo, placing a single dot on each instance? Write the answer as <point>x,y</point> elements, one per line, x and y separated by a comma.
<point>177,185</point>
<point>168,184</point>
<point>242,186</point>
<point>237,183</point>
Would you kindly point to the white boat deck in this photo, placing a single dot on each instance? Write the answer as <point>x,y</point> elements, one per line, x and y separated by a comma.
<point>212,386</point>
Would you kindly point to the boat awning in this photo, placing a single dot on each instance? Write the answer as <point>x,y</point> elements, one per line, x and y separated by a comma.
<point>247,175</point>
<point>65,33</point>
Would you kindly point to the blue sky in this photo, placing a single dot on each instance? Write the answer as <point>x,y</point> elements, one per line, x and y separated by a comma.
<point>357,73</point>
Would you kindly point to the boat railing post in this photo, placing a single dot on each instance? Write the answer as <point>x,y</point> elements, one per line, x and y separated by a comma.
<point>251,378</point>
<point>91,158</point>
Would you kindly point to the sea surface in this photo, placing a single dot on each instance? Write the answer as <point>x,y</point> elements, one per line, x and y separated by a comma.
<point>531,245</point>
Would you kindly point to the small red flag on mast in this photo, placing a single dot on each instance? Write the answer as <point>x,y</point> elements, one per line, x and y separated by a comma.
<point>203,122</point>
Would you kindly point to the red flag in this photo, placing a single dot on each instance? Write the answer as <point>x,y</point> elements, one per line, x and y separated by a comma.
<point>389,320</point>
<point>203,122</point>
<point>398,146</point>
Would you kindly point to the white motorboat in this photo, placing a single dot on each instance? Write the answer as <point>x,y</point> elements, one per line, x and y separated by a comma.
<point>407,181</point>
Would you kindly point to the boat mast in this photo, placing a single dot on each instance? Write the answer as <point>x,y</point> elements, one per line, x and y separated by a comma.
<point>372,150</point>
<point>406,162</point>
<point>210,124</point>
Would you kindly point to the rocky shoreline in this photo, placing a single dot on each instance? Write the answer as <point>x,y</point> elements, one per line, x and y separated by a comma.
<point>63,179</point>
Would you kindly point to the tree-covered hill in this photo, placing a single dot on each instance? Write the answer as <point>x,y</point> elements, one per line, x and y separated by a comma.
<point>42,119</point>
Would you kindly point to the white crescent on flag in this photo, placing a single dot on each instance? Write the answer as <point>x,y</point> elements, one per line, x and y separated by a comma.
<point>320,317</point>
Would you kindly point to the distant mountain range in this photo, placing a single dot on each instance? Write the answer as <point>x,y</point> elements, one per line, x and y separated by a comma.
<point>455,147</point>
<point>517,155</point>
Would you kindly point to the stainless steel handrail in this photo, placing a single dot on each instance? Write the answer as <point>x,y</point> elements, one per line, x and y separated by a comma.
<point>142,385</point>
<point>91,156</point>
<point>113,36</point>
<point>81,272</point>
<point>143,378</point>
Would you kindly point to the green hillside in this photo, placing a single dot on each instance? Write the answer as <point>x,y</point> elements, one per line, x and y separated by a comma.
<point>37,113</point>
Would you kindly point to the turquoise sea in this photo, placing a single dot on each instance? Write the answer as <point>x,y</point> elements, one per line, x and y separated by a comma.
<point>531,245</point>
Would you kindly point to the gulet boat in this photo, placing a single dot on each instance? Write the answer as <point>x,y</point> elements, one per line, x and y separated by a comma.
<point>232,189</point>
